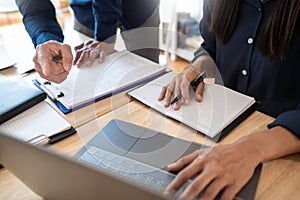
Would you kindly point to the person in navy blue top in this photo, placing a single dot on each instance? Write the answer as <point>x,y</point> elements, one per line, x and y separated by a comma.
<point>255,45</point>
<point>98,19</point>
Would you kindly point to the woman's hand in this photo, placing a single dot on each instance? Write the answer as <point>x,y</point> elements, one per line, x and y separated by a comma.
<point>228,168</point>
<point>88,52</point>
<point>180,86</point>
<point>224,168</point>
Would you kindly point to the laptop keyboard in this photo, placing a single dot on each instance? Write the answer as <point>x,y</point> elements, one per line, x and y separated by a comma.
<point>135,171</point>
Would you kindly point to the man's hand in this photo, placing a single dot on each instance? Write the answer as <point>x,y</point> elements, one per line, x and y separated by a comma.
<point>53,61</point>
<point>88,52</point>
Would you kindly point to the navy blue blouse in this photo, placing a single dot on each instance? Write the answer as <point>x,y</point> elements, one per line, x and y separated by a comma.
<point>275,83</point>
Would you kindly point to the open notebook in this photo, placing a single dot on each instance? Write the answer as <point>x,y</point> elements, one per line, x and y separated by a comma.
<point>119,72</point>
<point>40,123</point>
<point>219,112</point>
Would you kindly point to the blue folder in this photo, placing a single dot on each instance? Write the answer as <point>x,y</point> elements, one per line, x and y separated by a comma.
<point>65,110</point>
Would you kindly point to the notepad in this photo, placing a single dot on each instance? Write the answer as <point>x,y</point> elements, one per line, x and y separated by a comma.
<point>40,121</point>
<point>16,97</point>
<point>219,112</point>
<point>85,85</point>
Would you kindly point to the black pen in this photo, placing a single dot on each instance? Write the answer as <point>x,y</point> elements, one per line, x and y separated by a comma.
<point>194,83</point>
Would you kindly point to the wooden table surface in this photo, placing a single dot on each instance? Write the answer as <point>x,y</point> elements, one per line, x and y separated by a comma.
<point>279,178</point>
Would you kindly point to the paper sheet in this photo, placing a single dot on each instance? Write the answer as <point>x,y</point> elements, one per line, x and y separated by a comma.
<point>6,60</point>
<point>40,119</point>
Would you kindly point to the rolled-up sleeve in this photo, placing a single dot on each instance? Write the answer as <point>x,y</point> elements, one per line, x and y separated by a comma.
<point>289,120</point>
<point>40,21</point>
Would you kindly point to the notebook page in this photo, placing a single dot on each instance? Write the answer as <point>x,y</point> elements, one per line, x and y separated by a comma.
<point>219,107</point>
<point>37,120</point>
<point>6,59</point>
<point>119,70</point>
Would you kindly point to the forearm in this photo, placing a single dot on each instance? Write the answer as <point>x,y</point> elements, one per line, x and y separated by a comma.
<point>271,144</point>
<point>204,63</point>
<point>40,21</point>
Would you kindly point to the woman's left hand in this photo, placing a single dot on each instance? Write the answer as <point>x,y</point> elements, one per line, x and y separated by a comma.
<point>224,168</point>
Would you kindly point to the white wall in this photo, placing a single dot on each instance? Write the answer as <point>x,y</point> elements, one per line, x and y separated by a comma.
<point>168,7</point>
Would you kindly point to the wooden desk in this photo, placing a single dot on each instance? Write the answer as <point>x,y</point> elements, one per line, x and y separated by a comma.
<point>279,178</point>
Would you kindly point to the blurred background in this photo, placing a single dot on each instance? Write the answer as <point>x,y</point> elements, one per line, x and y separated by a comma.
<point>179,35</point>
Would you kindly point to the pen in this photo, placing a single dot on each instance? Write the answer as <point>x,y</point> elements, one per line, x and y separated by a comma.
<point>194,83</point>
<point>28,71</point>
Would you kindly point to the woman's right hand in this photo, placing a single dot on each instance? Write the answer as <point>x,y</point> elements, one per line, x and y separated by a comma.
<point>180,86</point>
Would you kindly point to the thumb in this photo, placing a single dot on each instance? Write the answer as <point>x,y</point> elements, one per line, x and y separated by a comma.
<point>67,57</point>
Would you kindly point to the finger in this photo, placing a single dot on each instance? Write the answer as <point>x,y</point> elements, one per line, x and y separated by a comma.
<point>82,58</point>
<point>213,189</point>
<point>37,66</point>
<point>45,64</point>
<point>162,93</point>
<point>77,56</point>
<point>93,55</point>
<point>102,57</point>
<point>79,47</point>
<point>39,70</point>
<point>199,91</point>
<point>62,77</point>
<point>95,44</point>
<point>67,57</point>
<point>177,94</point>
<point>57,78</point>
<point>87,43</point>
<point>230,192</point>
<point>199,183</point>
<point>169,94</point>
<point>177,105</point>
<point>184,175</point>
<point>184,87</point>
<point>182,162</point>
<point>168,97</point>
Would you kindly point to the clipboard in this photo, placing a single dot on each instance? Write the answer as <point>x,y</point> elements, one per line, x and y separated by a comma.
<point>147,68</point>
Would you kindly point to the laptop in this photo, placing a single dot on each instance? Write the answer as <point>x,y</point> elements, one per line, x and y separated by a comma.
<point>122,157</point>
